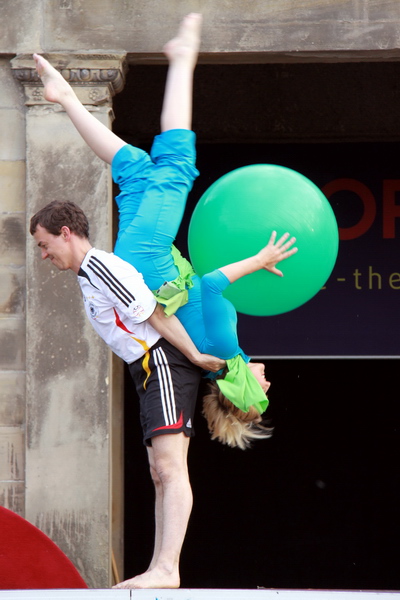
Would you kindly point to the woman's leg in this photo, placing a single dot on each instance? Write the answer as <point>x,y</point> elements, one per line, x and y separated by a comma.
<point>146,240</point>
<point>56,89</point>
<point>98,137</point>
<point>182,53</point>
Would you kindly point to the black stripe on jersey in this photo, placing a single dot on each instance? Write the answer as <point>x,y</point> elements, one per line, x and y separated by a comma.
<point>110,280</point>
<point>83,273</point>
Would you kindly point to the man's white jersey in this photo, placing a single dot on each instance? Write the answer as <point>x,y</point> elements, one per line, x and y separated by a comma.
<point>118,304</point>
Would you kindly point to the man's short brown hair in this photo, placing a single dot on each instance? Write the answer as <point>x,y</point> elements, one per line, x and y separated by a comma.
<point>57,214</point>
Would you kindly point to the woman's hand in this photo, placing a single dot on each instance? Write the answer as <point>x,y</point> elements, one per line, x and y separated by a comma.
<point>267,258</point>
<point>276,251</point>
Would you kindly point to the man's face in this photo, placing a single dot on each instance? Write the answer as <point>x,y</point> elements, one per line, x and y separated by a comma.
<point>54,247</point>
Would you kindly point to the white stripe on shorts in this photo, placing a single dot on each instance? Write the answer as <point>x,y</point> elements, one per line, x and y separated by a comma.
<point>166,386</point>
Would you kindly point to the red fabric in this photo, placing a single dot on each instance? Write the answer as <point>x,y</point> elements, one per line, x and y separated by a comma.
<point>30,560</point>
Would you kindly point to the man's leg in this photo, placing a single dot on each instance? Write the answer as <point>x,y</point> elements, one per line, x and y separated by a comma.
<point>158,508</point>
<point>168,466</point>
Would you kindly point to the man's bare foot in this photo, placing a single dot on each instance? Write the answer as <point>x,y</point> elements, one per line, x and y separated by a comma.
<point>153,579</point>
<point>56,89</point>
<point>186,44</point>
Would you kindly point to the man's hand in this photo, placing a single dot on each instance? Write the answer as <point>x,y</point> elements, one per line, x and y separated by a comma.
<point>209,363</point>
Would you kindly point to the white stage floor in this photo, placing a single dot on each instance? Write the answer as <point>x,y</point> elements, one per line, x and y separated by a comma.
<point>198,594</point>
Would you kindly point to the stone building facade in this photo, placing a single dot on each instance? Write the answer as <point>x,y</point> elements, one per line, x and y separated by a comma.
<point>61,390</point>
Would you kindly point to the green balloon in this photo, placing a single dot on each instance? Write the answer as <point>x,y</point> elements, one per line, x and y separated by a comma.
<point>235,218</point>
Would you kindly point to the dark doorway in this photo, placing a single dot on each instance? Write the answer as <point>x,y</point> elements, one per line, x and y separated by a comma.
<point>317,505</point>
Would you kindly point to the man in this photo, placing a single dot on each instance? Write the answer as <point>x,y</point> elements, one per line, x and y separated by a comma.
<point>126,315</point>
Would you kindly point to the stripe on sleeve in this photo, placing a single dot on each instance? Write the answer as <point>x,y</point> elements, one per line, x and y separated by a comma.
<point>103,273</point>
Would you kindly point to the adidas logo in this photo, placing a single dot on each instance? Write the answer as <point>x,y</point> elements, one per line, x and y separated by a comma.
<point>189,423</point>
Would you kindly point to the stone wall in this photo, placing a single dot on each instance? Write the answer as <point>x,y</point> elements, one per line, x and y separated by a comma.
<point>60,464</point>
<point>280,29</point>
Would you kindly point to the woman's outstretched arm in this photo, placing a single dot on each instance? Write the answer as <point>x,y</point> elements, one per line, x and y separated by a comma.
<point>273,253</point>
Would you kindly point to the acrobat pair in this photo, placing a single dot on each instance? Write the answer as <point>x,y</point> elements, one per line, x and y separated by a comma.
<point>153,193</point>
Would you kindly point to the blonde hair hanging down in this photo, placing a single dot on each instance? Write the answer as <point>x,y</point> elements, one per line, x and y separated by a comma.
<point>230,425</point>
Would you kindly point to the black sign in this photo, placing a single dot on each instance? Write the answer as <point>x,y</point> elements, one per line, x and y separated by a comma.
<point>357,312</point>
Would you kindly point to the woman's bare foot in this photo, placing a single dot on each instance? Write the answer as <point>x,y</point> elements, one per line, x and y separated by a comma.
<point>56,89</point>
<point>186,44</point>
<point>153,579</point>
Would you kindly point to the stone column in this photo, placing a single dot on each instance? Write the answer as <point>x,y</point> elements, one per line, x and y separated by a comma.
<point>12,292</point>
<point>73,382</point>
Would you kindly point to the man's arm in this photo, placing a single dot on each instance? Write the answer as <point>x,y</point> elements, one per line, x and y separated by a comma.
<point>130,285</point>
<point>173,331</point>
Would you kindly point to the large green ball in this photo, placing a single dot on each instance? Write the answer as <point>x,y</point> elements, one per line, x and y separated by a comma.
<point>235,218</point>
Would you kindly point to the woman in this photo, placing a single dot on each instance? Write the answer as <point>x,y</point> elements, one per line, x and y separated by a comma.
<point>153,193</point>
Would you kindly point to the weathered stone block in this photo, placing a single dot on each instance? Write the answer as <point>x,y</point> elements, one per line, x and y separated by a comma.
<point>379,12</point>
<point>12,290</point>
<point>12,185</point>
<point>12,127</point>
<point>12,239</point>
<point>61,166</point>
<point>287,26</point>
<point>278,26</point>
<point>12,496</point>
<point>11,93</point>
<point>22,25</point>
<point>12,454</point>
<point>68,466</point>
<point>12,343</point>
<point>12,398</point>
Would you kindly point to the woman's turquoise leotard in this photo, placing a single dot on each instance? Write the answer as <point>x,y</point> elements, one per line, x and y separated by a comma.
<point>151,203</point>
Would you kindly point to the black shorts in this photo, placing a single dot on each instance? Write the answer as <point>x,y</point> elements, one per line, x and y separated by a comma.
<point>167,384</point>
